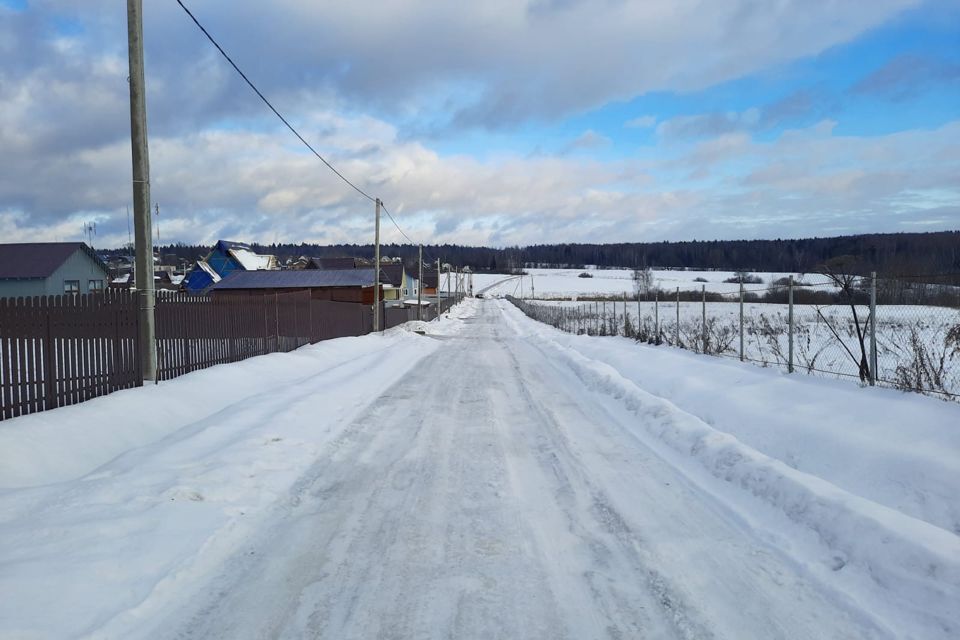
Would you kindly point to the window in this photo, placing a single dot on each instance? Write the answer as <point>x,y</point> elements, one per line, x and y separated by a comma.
<point>71,286</point>
<point>94,285</point>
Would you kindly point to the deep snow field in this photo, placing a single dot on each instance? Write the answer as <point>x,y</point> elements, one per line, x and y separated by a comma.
<point>562,283</point>
<point>493,478</point>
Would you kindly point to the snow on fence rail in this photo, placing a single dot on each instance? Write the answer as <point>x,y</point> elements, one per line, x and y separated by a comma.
<point>817,329</point>
<point>61,350</point>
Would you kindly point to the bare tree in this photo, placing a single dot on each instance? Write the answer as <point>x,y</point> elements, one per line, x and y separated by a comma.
<point>642,280</point>
<point>840,271</point>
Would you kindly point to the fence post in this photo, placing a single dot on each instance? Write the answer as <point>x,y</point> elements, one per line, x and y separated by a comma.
<point>703,319</point>
<point>873,328</point>
<point>625,313</point>
<point>678,317</point>
<point>656,316</point>
<point>790,326</point>
<point>48,359</point>
<point>741,318</point>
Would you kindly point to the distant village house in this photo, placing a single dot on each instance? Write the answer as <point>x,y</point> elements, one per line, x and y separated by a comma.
<point>50,268</point>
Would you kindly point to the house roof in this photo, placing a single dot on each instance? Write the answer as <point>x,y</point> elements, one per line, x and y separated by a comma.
<point>296,279</point>
<point>338,263</point>
<point>392,273</point>
<point>429,278</point>
<point>252,261</point>
<point>40,259</point>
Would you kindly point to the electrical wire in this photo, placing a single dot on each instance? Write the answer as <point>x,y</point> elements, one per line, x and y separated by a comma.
<point>384,208</point>
<point>272,108</point>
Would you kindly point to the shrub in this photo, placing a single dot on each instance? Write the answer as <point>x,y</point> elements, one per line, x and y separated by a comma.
<point>700,279</point>
<point>584,275</point>
<point>746,277</point>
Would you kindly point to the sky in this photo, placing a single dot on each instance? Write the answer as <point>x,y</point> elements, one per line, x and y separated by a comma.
<point>502,122</point>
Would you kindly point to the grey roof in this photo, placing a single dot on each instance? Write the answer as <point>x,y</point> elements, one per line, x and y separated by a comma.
<point>296,279</point>
<point>39,259</point>
<point>338,263</point>
<point>392,273</point>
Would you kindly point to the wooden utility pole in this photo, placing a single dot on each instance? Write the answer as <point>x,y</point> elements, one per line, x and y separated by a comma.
<point>376,270</point>
<point>419,283</point>
<point>143,235</point>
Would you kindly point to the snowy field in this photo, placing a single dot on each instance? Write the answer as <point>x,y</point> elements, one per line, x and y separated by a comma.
<point>563,283</point>
<point>824,337</point>
<point>492,478</point>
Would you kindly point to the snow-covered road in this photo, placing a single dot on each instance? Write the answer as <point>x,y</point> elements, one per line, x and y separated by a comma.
<point>485,493</point>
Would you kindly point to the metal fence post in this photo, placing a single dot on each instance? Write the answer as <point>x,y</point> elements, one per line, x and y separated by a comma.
<point>678,317</point>
<point>656,316</point>
<point>873,328</point>
<point>625,325</point>
<point>703,320</point>
<point>790,326</point>
<point>741,319</point>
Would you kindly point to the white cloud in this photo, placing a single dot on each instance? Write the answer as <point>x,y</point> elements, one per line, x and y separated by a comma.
<point>641,122</point>
<point>357,77</point>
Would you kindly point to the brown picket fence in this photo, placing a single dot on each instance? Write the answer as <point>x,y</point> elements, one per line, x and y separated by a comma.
<point>196,332</point>
<point>61,350</point>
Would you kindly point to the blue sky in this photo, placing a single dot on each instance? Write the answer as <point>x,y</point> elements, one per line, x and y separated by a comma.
<point>497,123</point>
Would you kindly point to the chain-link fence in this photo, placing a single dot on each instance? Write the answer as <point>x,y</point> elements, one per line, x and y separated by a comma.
<point>901,332</point>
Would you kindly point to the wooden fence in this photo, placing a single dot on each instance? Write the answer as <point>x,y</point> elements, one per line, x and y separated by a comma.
<point>196,332</point>
<point>61,350</point>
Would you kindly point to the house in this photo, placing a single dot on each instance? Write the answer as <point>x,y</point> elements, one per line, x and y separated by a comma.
<point>50,268</point>
<point>401,283</point>
<point>339,285</point>
<point>429,281</point>
<point>225,258</point>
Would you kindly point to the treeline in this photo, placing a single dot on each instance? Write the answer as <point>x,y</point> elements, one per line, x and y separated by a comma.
<point>891,254</point>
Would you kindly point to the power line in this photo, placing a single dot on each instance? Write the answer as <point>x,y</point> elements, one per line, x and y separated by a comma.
<point>287,123</point>
<point>272,108</point>
<point>384,208</point>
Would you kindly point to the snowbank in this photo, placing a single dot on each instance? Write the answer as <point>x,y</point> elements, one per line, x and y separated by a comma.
<point>69,442</point>
<point>802,442</point>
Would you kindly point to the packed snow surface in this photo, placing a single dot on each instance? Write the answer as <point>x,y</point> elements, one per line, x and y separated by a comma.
<point>493,478</point>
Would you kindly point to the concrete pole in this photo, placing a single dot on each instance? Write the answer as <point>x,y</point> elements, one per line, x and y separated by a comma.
<point>419,283</point>
<point>376,269</point>
<point>143,235</point>
<point>533,292</point>
<point>790,327</point>
<point>438,289</point>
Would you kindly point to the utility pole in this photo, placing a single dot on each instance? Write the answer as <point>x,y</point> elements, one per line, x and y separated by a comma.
<point>376,270</point>
<point>419,283</point>
<point>141,191</point>
<point>438,289</point>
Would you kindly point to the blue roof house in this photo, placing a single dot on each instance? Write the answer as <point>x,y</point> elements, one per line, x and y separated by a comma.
<point>225,258</point>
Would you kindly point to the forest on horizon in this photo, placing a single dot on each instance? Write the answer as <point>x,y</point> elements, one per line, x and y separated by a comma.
<point>889,254</point>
